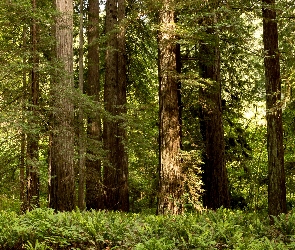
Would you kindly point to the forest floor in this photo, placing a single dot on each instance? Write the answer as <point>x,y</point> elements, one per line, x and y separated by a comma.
<point>222,229</point>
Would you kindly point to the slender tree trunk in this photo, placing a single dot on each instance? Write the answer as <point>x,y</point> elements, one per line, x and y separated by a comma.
<point>215,181</point>
<point>50,176</point>
<point>116,169</point>
<point>23,135</point>
<point>276,173</point>
<point>170,181</point>
<point>62,187</point>
<point>32,171</point>
<point>122,109</point>
<point>81,130</point>
<point>22,171</point>
<point>94,192</point>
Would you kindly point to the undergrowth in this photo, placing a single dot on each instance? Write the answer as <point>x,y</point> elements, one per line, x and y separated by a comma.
<point>223,229</point>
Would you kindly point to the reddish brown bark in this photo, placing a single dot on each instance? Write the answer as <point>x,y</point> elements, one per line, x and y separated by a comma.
<point>115,177</point>
<point>216,193</point>
<point>94,191</point>
<point>62,186</point>
<point>170,171</point>
<point>276,173</point>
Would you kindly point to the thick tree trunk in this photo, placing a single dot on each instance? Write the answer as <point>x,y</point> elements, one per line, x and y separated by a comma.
<point>94,192</point>
<point>170,172</point>
<point>32,172</point>
<point>116,168</point>
<point>215,181</point>
<point>276,173</point>
<point>62,189</point>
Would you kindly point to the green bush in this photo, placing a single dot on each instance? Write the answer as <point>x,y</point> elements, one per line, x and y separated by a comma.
<point>221,229</point>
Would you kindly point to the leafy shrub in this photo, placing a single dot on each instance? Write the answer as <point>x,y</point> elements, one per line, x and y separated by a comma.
<point>221,229</point>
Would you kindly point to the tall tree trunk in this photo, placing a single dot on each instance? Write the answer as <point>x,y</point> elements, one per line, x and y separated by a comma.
<point>23,135</point>
<point>22,172</point>
<point>62,187</point>
<point>81,130</point>
<point>215,181</point>
<point>170,179</point>
<point>122,109</point>
<point>94,192</point>
<point>32,172</point>
<point>276,173</point>
<point>116,168</point>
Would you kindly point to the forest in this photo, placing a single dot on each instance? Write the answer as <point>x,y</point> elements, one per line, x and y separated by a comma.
<point>147,124</point>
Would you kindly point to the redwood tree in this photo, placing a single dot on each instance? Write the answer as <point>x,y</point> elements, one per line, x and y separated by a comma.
<point>216,193</point>
<point>115,172</point>
<point>94,197</point>
<point>276,173</point>
<point>62,186</point>
<point>170,170</point>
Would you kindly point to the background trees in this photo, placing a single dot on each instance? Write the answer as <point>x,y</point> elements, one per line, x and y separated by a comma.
<point>223,94</point>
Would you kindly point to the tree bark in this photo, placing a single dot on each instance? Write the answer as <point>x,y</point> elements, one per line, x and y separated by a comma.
<point>179,101</point>
<point>276,173</point>
<point>114,135</point>
<point>94,191</point>
<point>170,171</point>
<point>215,181</point>
<point>62,187</point>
